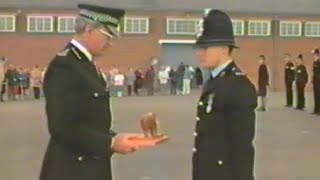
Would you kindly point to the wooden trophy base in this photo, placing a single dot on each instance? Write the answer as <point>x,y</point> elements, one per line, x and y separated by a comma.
<point>143,141</point>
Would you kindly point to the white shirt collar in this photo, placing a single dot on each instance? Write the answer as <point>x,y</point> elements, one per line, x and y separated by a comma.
<point>82,49</point>
<point>220,68</point>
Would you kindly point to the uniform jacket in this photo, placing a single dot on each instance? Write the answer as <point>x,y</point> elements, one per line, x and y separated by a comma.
<point>316,72</point>
<point>289,72</point>
<point>301,74</point>
<point>263,79</point>
<point>225,128</point>
<point>79,120</point>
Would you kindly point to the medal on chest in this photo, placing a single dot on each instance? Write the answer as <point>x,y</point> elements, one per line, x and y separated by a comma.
<point>210,103</point>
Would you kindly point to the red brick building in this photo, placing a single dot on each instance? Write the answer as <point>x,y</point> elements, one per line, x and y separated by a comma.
<point>32,31</point>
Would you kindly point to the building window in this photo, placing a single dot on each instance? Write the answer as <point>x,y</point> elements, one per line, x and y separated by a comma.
<point>312,29</point>
<point>66,24</point>
<point>238,27</point>
<point>259,28</point>
<point>136,25</point>
<point>290,28</point>
<point>183,26</point>
<point>7,23</point>
<point>40,24</point>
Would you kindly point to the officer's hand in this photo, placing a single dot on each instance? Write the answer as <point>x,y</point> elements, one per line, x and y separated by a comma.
<point>123,145</point>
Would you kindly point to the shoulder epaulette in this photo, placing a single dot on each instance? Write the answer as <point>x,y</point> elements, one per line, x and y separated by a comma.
<point>63,53</point>
<point>76,53</point>
<point>237,72</point>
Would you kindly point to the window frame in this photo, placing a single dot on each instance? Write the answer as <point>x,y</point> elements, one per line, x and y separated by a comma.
<point>312,23</point>
<point>74,17</point>
<point>125,27</point>
<point>40,16</point>
<point>290,35</point>
<point>242,26</point>
<point>197,26</point>
<point>13,23</point>
<point>260,21</point>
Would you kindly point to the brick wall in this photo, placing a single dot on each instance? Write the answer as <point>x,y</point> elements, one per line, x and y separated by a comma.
<point>28,50</point>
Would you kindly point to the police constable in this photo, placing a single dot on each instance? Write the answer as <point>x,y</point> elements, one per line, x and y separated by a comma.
<point>263,82</point>
<point>225,125</point>
<point>2,77</point>
<point>78,106</point>
<point>301,80</point>
<point>316,80</point>
<point>289,74</point>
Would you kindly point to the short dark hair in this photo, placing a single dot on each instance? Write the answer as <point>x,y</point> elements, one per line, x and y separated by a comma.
<point>300,56</point>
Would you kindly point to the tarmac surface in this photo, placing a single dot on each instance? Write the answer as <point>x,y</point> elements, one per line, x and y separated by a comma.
<point>287,141</point>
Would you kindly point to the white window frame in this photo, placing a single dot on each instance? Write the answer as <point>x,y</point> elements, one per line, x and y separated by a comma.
<point>14,23</point>
<point>259,21</point>
<point>40,16</point>
<point>290,35</point>
<point>65,17</point>
<point>311,23</point>
<point>183,33</point>
<point>242,26</point>
<point>136,18</point>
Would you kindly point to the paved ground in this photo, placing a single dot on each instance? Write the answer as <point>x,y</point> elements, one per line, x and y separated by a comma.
<point>287,141</point>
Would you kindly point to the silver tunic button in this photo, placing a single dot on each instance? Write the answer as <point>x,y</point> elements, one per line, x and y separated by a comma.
<point>195,134</point>
<point>80,158</point>
<point>96,95</point>
<point>220,162</point>
<point>197,118</point>
<point>194,150</point>
<point>200,103</point>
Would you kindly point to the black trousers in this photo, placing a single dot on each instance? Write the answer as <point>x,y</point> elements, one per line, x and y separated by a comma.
<point>36,91</point>
<point>262,90</point>
<point>150,88</point>
<point>136,88</point>
<point>289,93</point>
<point>129,88</point>
<point>301,100</point>
<point>173,88</point>
<point>316,91</point>
<point>3,91</point>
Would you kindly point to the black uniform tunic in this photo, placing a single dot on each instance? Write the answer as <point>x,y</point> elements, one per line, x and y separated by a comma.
<point>225,128</point>
<point>316,86</point>
<point>301,81</point>
<point>79,118</point>
<point>289,74</point>
<point>263,80</point>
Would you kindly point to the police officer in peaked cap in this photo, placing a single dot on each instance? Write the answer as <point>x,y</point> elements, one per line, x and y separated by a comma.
<point>301,80</point>
<point>78,104</point>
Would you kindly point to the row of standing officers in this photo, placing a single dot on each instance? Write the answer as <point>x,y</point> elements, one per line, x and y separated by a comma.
<point>295,72</point>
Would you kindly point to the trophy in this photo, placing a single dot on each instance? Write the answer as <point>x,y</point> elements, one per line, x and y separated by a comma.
<point>149,126</point>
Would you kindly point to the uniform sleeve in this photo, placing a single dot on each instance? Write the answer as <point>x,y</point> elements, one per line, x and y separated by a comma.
<point>241,129</point>
<point>318,70</point>
<point>305,74</point>
<point>63,106</point>
<point>267,75</point>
